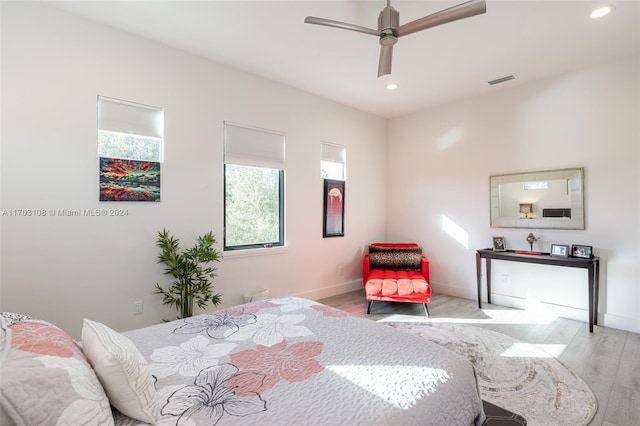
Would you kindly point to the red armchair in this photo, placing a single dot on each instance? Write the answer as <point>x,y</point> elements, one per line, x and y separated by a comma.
<point>396,272</point>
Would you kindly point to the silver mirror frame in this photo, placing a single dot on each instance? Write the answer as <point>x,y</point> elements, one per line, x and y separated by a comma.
<point>575,178</point>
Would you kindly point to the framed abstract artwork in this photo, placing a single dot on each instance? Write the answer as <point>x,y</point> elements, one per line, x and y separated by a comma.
<point>333,211</point>
<point>129,180</point>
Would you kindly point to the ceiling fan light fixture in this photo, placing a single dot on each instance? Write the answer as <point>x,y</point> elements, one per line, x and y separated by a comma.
<point>388,40</point>
<point>601,11</point>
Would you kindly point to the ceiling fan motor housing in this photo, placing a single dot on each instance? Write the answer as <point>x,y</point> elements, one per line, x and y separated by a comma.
<point>388,22</point>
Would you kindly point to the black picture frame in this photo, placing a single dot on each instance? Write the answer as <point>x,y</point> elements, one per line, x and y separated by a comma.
<point>333,208</point>
<point>583,252</point>
<point>499,244</point>
<point>559,250</point>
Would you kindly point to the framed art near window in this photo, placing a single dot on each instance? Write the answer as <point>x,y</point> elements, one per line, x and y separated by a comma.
<point>559,250</point>
<point>129,180</point>
<point>333,212</point>
<point>498,244</point>
<point>585,252</point>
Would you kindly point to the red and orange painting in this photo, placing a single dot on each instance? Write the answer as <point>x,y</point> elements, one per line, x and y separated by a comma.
<point>129,180</point>
<point>333,213</point>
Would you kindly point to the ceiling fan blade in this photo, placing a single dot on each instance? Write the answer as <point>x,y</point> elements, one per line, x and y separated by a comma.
<point>386,55</point>
<point>461,11</point>
<point>342,25</point>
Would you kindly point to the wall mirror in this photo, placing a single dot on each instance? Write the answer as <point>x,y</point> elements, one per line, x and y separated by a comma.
<point>549,199</point>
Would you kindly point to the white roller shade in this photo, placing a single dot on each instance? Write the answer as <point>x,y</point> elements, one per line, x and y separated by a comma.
<point>253,147</point>
<point>333,153</point>
<point>119,116</point>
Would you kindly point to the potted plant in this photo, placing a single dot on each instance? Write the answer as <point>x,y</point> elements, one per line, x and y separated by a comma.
<point>191,270</point>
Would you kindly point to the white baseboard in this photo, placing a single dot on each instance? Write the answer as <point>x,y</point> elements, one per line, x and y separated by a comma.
<point>333,290</point>
<point>557,310</point>
<point>510,301</point>
<point>621,323</point>
<point>463,292</point>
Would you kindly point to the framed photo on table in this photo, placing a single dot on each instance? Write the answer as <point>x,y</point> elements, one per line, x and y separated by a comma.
<point>584,252</point>
<point>559,250</point>
<point>498,244</point>
<point>333,212</point>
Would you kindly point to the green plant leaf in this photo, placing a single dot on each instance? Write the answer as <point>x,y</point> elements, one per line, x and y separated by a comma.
<point>192,272</point>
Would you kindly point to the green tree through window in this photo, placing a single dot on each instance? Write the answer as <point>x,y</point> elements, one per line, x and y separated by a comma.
<point>129,146</point>
<point>254,215</point>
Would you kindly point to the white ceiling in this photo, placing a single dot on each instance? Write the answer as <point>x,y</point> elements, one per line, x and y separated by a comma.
<point>533,39</point>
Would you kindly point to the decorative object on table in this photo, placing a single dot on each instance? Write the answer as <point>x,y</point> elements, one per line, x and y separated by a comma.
<point>526,209</point>
<point>192,272</point>
<point>531,239</point>
<point>585,252</point>
<point>517,376</point>
<point>129,180</point>
<point>498,244</point>
<point>559,250</point>
<point>333,212</point>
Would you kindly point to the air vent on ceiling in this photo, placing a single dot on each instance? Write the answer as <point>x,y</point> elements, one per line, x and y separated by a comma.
<point>502,79</point>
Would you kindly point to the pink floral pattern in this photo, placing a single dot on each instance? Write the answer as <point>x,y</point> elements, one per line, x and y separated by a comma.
<point>251,308</point>
<point>293,363</point>
<point>46,379</point>
<point>43,339</point>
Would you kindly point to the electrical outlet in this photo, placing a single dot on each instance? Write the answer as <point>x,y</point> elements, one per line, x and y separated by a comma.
<point>506,279</point>
<point>137,307</point>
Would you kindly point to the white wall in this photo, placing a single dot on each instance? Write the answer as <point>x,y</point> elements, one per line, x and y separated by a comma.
<point>65,268</point>
<point>440,161</point>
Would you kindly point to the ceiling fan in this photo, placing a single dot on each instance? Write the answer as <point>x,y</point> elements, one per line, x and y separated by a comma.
<point>389,29</point>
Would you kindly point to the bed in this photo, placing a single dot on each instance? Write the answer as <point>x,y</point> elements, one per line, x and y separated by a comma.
<point>284,361</point>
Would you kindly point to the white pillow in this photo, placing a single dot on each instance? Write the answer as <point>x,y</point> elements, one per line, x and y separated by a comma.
<point>122,370</point>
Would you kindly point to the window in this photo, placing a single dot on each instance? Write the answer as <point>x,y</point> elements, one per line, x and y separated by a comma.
<point>129,130</point>
<point>535,185</point>
<point>254,187</point>
<point>333,161</point>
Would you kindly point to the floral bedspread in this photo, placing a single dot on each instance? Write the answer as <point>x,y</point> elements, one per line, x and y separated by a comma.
<point>292,361</point>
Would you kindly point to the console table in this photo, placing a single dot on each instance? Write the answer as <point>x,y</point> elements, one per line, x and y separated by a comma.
<point>592,265</point>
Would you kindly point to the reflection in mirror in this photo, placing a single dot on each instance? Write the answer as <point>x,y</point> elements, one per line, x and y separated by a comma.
<point>551,199</point>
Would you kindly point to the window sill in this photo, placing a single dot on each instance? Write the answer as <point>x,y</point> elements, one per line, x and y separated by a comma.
<point>232,254</point>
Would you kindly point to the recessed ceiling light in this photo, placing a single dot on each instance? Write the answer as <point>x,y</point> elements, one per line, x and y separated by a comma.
<point>392,86</point>
<point>601,11</point>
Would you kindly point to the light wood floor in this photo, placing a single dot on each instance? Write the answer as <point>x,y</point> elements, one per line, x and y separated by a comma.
<point>607,359</point>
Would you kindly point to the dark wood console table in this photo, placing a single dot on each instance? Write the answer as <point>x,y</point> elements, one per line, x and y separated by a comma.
<point>592,265</point>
